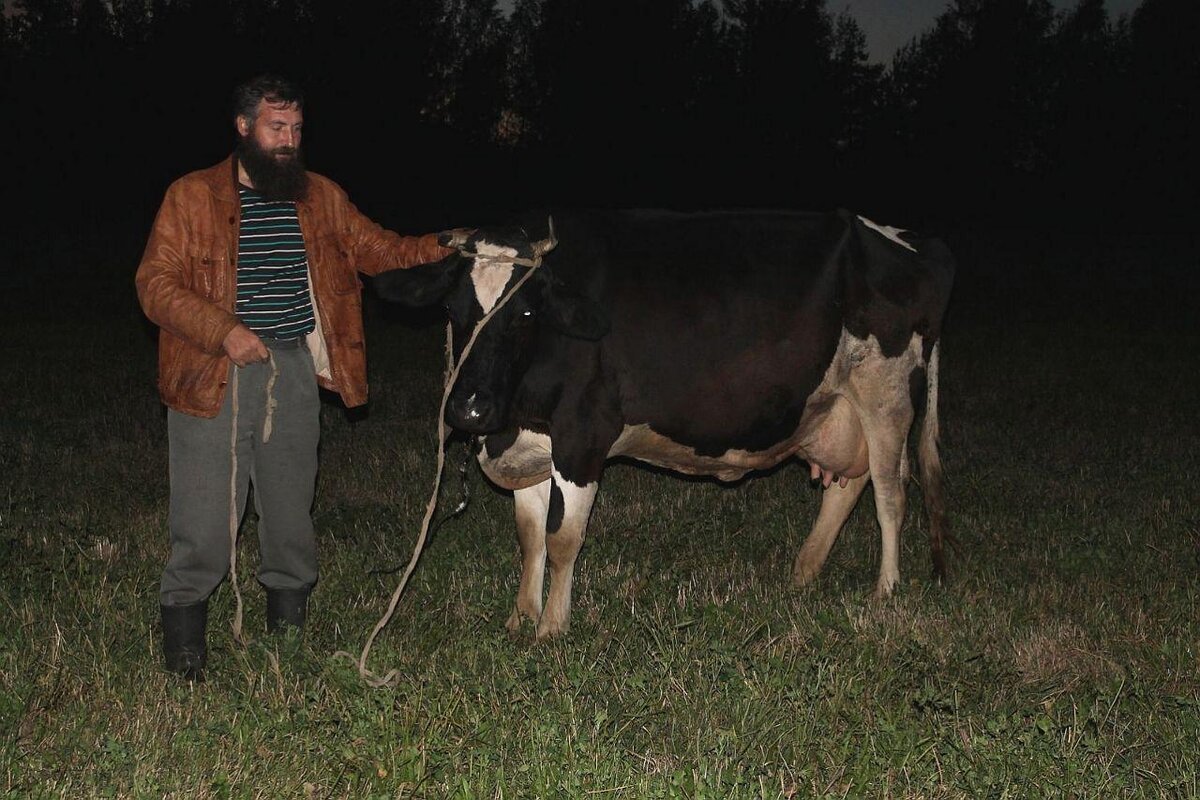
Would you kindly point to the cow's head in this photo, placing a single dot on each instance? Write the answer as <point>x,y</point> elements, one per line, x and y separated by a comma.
<point>470,284</point>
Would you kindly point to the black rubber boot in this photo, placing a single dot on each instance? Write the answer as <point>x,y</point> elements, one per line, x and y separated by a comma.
<point>184,649</point>
<point>286,608</point>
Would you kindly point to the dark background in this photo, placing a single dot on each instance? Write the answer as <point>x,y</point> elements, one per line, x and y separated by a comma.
<point>437,113</point>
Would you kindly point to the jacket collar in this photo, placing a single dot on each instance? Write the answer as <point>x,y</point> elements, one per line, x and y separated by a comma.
<point>221,180</point>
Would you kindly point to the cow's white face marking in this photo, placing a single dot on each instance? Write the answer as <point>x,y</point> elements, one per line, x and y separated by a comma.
<point>888,231</point>
<point>490,277</point>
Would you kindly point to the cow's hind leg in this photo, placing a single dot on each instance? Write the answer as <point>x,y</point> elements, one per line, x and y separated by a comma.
<point>931,470</point>
<point>530,506</point>
<point>566,522</point>
<point>836,504</point>
<point>883,388</point>
<point>886,437</point>
<point>890,503</point>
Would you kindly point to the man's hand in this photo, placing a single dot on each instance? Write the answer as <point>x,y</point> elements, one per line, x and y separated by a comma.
<point>243,346</point>
<point>455,237</point>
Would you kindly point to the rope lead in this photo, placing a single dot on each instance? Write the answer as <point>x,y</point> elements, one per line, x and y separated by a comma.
<point>390,678</point>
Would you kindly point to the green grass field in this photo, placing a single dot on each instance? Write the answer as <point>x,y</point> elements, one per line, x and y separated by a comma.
<point>1060,660</point>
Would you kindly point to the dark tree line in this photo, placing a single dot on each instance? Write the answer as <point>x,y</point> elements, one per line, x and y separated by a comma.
<point>438,112</point>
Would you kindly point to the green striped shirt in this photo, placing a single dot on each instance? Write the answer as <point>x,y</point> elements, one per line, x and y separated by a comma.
<point>272,269</point>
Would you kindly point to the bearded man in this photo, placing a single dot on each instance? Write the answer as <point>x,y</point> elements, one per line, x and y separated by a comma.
<point>250,275</point>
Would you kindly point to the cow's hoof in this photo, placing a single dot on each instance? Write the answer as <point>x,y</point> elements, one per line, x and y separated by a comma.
<point>805,573</point>
<point>883,590</point>
<point>516,620</point>
<point>804,577</point>
<point>548,629</point>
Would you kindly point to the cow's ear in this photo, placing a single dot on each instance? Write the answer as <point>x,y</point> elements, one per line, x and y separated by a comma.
<point>575,315</point>
<point>421,285</point>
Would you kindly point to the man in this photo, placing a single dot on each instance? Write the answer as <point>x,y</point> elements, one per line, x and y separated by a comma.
<point>250,275</point>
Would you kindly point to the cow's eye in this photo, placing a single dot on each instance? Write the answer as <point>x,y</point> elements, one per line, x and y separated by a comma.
<point>527,314</point>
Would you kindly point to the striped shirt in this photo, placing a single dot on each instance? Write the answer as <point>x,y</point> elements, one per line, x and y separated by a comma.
<point>272,269</point>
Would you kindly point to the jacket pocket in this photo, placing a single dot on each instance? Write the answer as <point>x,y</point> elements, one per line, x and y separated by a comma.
<point>210,264</point>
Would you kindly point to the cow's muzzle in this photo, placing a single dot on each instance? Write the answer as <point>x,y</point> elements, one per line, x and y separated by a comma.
<point>473,413</point>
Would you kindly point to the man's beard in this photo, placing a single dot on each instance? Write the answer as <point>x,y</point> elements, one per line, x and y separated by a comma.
<point>273,178</point>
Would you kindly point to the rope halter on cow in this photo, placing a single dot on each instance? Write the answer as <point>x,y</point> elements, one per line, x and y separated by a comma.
<point>457,241</point>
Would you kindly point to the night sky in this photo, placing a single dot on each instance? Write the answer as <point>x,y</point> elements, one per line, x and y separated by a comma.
<point>889,24</point>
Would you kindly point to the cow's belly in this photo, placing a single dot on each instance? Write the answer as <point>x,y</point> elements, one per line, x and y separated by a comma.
<point>829,435</point>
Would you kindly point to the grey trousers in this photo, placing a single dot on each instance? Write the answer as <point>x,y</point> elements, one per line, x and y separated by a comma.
<point>282,469</point>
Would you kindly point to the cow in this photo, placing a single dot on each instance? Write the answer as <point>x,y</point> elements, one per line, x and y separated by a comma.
<point>715,344</point>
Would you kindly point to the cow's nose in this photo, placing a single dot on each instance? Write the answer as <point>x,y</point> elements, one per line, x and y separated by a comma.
<point>471,412</point>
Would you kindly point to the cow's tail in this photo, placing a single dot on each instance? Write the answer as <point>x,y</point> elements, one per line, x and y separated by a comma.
<point>931,469</point>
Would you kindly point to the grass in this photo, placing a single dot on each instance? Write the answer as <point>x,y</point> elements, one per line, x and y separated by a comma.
<point>1060,660</point>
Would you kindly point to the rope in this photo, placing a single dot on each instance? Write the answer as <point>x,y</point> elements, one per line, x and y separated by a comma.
<point>461,507</point>
<point>233,509</point>
<point>233,506</point>
<point>532,263</point>
<point>269,420</point>
<point>372,679</point>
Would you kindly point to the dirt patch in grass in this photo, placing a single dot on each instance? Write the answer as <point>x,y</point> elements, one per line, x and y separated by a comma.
<point>1061,655</point>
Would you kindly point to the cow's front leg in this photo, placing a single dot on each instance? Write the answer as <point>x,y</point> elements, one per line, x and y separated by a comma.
<point>530,506</point>
<point>566,519</point>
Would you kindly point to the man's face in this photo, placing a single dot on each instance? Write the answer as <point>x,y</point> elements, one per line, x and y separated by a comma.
<point>276,129</point>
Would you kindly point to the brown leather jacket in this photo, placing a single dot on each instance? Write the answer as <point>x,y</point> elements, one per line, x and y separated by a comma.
<point>187,284</point>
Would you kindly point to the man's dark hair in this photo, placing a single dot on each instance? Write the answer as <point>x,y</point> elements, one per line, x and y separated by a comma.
<point>272,88</point>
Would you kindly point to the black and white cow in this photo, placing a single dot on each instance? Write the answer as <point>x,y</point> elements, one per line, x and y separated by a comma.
<point>709,344</point>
